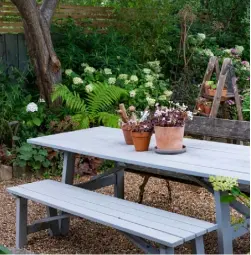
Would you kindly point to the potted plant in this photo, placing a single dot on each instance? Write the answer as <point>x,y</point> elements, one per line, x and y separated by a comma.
<point>207,107</point>
<point>127,123</point>
<point>207,86</point>
<point>142,132</point>
<point>211,91</point>
<point>200,104</point>
<point>169,125</point>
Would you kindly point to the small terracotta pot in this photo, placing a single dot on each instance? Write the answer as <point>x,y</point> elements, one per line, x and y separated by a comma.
<point>206,88</point>
<point>224,92</point>
<point>207,109</point>
<point>200,106</point>
<point>211,92</point>
<point>128,136</point>
<point>169,138</point>
<point>141,140</point>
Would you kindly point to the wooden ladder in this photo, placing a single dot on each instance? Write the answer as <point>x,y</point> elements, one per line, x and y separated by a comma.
<point>223,76</point>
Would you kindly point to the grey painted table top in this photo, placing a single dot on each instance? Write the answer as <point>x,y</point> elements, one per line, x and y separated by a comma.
<point>202,159</point>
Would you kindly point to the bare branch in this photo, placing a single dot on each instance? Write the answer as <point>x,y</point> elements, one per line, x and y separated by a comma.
<point>48,8</point>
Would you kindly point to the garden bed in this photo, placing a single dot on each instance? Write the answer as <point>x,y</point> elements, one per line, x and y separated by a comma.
<point>88,237</point>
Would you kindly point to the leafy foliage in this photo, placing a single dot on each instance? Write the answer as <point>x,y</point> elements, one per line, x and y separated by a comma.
<point>96,107</point>
<point>28,155</point>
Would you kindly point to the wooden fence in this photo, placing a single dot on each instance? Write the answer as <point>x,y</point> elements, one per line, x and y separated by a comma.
<point>13,51</point>
<point>99,18</point>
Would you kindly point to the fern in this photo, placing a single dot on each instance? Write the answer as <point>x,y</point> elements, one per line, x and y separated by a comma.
<point>72,99</point>
<point>108,119</point>
<point>103,97</point>
<point>82,120</point>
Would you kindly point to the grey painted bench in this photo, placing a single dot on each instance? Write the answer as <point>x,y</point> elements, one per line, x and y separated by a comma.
<point>138,222</point>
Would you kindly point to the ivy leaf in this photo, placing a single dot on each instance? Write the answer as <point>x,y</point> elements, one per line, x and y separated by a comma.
<point>36,121</point>
<point>227,198</point>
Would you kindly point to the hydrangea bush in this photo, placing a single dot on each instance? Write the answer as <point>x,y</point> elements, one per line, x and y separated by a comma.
<point>145,86</point>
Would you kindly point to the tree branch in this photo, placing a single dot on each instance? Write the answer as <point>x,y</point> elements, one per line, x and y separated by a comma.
<point>48,8</point>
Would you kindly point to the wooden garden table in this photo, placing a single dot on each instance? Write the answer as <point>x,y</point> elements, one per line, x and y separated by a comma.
<point>202,159</point>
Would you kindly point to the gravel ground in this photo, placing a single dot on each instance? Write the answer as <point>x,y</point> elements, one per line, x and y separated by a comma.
<point>90,238</point>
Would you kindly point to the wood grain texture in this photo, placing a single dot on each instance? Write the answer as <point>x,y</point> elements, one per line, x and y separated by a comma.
<point>199,160</point>
<point>220,128</point>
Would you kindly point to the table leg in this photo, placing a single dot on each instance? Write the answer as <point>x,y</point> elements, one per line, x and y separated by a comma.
<point>67,177</point>
<point>224,231</point>
<point>119,185</point>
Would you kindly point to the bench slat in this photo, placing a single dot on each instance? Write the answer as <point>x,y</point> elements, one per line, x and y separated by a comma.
<point>154,224</point>
<point>125,226</point>
<point>150,213</point>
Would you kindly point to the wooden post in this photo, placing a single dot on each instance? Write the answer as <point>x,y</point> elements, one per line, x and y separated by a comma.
<point>220,86</point>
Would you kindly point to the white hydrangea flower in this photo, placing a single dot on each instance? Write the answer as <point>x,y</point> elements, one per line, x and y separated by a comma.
<point>147,70</point>
<point>89,88</point>
<point>127,82</point>
<point>155,65</point>
<point>89,70</point>
<point>134,78</point>
<point>228,51</point>
<point>208,52</point>
<point>132,93</point>
<point>41,100</point>
<point>201,36</point>
<point>189,115</point>
<point>84,65</point>
<point>162,98</point>
<point>107,71</point>
<point>68,72</point>
<point>168,93</point>
<point>112,81</point>
<point>149,78</point>
<point>123,76</point>
<point>77,80</point>
<point>239,49</point>
<point>32,107</point>
<point>150,101</point>
<point>149,84</point>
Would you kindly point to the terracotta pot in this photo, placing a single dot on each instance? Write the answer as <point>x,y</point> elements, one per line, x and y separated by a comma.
<point>128,136</point>
<point>169,138</point>
<point>206,88</point>
<point>211,92</point>
<point>141,140</point>
<point>200,106</point>
<point>207,109</point>
<point>224,92</point>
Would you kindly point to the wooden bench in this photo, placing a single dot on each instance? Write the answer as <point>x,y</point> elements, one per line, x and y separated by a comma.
<point>138,222</point>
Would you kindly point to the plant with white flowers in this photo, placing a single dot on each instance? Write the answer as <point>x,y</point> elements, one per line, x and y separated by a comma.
<point>32,107</point>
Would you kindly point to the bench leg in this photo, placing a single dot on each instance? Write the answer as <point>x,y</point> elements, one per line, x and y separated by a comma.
<point>198,245</point>
<point>21,222</point>
<point>67,177</point>
<point>119,185</point>
<point>166,250</point>
<point>224,225</point>
<point>54,226</point>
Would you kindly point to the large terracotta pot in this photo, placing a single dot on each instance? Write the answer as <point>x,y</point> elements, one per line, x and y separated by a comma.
<point>169,138</point>
<point>224,92</point>
<point>141,140</point>
<point>127,136</point>
<point>211,92</point>
<point>200,107</point>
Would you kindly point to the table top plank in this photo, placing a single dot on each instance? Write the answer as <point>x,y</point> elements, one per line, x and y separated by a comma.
<point>203,158</point>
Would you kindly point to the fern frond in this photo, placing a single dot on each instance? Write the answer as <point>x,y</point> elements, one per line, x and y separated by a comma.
<point>71,99</point>
<point>82,120</point>
<point>103,97</point>
<point>108,119</point>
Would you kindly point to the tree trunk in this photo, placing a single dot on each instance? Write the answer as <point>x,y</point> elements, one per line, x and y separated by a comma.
<point>37,20</point>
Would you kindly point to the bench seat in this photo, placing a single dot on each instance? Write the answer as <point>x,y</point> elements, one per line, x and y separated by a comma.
<point>166,228</point>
